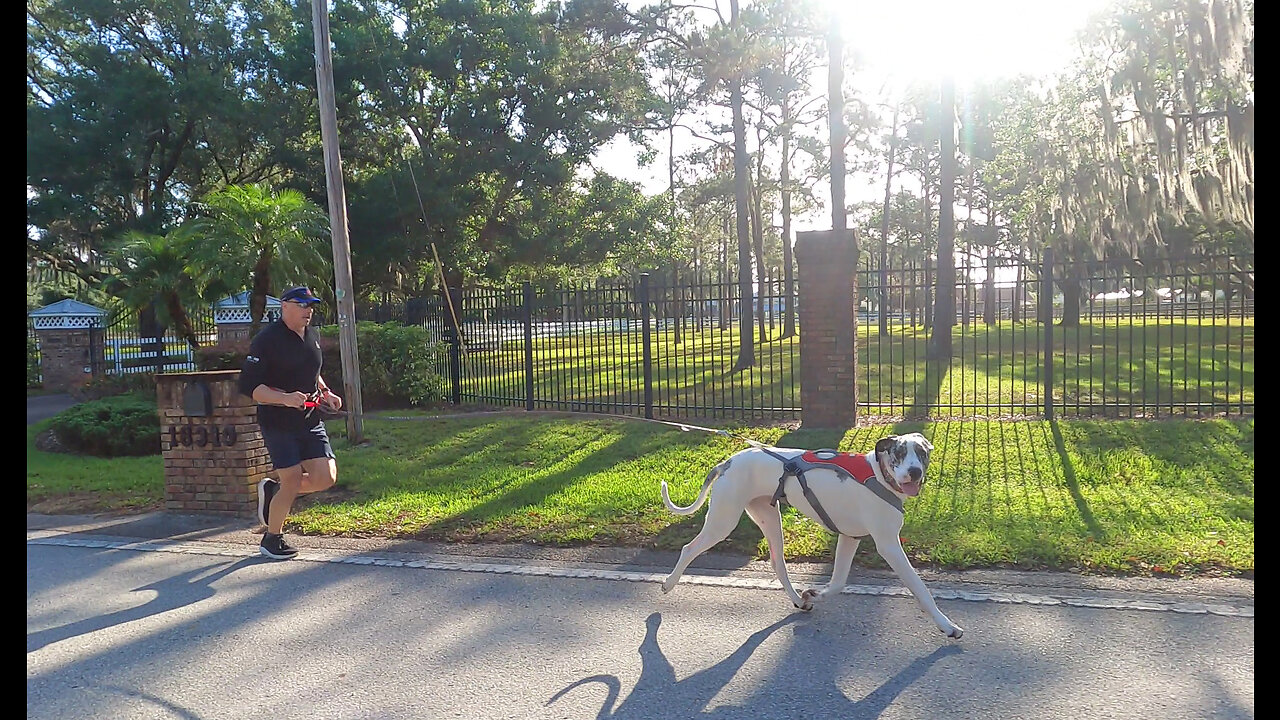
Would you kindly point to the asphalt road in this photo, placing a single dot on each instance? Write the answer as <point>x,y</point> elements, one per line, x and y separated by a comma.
<point>40,407</point>
<point>176,617</point>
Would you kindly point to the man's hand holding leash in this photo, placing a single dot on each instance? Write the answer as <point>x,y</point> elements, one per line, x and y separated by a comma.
<point>328,402</point>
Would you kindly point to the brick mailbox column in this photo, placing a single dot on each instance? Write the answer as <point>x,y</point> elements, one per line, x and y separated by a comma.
<point>213,450</point>
<point>827,263</point>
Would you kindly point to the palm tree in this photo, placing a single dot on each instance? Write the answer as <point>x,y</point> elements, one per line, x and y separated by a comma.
<point>249,237</point>
<point>155,279</point>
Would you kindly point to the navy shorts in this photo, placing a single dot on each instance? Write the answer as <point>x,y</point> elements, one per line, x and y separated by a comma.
<point>291,447</point>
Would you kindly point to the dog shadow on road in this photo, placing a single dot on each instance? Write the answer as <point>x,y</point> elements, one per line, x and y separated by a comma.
<point>658,687</point>
<point>171,593</point>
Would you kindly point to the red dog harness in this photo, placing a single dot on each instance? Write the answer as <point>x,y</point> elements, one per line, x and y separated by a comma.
<point>857,465</point>
<point>845,465</point>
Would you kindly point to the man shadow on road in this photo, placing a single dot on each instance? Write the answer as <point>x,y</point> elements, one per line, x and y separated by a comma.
<point>171,593</point>
<point>658,687</point>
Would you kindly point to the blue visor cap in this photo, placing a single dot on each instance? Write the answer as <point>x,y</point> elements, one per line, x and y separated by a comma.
<point>300,295</point>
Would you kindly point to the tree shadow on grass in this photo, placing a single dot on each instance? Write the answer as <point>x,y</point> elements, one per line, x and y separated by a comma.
<point>744,539</point>
<point>513,493</point>
<point>1073,485</point>
<point>927,389</point>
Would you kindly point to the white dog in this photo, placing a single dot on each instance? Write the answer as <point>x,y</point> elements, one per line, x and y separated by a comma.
<point>851,495</point>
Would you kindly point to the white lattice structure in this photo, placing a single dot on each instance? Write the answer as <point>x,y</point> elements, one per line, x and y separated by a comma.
<point>67,315</point>
<point>235,309</point>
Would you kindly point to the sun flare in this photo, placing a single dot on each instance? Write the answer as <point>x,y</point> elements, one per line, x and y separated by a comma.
<point>971,40</point>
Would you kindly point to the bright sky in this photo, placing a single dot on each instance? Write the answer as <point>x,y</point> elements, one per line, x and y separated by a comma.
<point>903,40</point>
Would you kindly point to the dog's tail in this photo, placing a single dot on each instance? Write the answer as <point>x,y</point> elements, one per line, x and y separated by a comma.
<point>716,472</point>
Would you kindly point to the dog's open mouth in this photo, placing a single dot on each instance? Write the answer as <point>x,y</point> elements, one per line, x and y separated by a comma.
<point>910,488</point>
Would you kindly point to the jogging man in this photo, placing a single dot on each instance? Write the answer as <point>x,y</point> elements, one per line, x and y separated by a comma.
<point>282,375</point>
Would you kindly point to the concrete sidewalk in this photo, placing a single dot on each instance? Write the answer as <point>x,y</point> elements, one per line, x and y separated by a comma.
<point>230,532</point>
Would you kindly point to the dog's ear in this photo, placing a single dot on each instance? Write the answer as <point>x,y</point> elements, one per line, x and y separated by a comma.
<point>928,446</point>
<point>884,445</point>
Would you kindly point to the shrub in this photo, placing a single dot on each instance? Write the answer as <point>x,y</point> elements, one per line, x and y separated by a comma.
<point>140,383</point>
<point>396,364</point>
<point>33,363</point>
<point>110,427</point>
<point>224,355</point>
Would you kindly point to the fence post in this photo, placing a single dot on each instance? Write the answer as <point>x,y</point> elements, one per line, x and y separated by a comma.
<point>646,334</point>
<point>528,345</point>
<point>454,325</point>
<point>1046,312</point>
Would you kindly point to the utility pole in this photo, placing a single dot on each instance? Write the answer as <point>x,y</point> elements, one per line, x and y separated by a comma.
<point>338,223</point>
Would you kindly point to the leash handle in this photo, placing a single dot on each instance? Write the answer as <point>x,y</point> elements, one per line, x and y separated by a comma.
<point>312,402</point>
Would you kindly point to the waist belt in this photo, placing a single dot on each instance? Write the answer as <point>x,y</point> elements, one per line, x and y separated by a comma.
<point>808,461</point>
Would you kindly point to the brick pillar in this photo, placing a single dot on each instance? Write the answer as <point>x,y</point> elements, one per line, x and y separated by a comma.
<point>213,461</point>
<point>826,264</point>
<point>70,336</point>
<point>68,356</point>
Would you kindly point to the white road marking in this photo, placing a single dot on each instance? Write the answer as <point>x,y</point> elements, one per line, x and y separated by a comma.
<point>46,537</point>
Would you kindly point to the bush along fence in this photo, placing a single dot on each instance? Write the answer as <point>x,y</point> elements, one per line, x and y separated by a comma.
<point>1171,337</point>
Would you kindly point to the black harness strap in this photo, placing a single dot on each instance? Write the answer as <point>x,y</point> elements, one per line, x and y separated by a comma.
<point>796,466</point>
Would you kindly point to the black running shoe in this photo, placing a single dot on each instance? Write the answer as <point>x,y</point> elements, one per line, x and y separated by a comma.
<point>274,547</point>
<point>266,490</point>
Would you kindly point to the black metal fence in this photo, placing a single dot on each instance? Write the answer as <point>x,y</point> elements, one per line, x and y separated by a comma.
<point>1128,340</point>
<point>132,343</point>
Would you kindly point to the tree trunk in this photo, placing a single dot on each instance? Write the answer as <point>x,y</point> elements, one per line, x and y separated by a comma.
<point>789,309</point>
<point>944,314</point>
<point>924,243</point>
<point>181,321</point>
<point>1019,291</point>
<point>966,281</point>
<point>1071,292</point>
<point>884,226</point>
<point>757,244</point>
<point>671,178</point>
<point>725,276</point>
<point>746,341</point>
<point>991,313</point>
<point>928,291</point>
<point>261,289</point>
<point>149,327</point>
<point>989,291</point>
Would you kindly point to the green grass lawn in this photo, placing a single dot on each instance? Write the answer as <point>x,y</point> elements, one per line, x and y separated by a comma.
<point>1113,361</point>
<point>1096,496</point>
<point>61,482</point>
